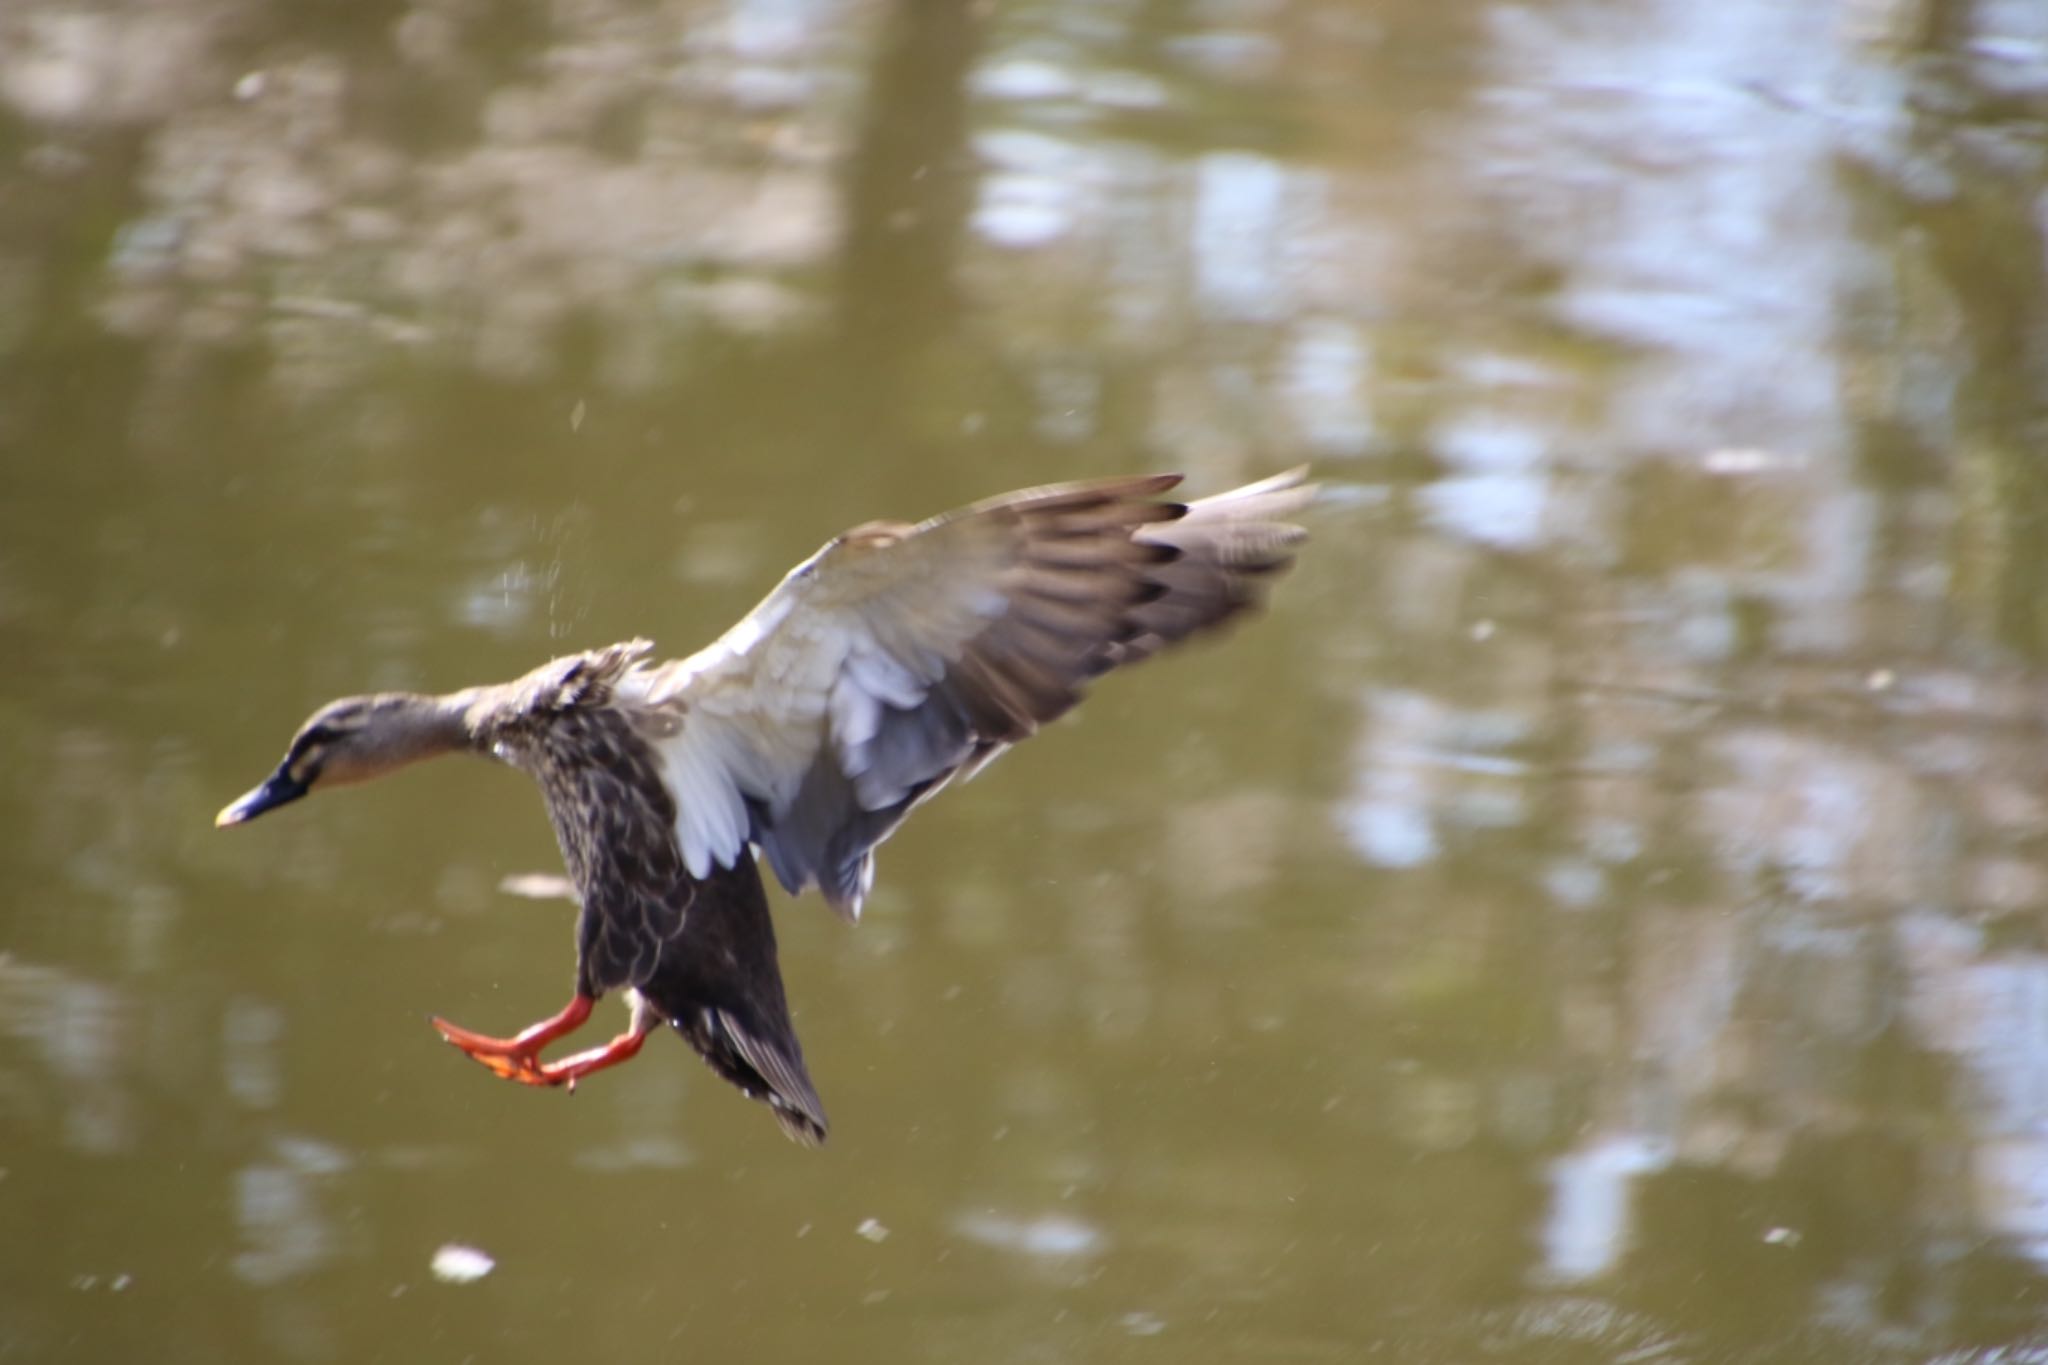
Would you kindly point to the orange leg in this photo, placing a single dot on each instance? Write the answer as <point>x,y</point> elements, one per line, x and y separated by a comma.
<point>576,1066</point>
<point>518,1058</point>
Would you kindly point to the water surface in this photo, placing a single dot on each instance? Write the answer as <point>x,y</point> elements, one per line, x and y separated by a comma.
<point>1597,915</point>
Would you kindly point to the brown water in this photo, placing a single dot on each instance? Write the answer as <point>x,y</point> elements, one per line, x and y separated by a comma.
<point>1597,916</point>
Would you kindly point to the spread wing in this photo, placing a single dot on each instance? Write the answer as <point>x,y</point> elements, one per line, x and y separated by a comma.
<point>900,656</point>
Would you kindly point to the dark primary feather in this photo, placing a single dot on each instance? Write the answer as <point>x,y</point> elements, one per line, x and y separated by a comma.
<point>1094,577</point>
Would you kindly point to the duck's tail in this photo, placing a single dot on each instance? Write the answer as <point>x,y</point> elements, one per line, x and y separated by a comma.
<point>718,985</point>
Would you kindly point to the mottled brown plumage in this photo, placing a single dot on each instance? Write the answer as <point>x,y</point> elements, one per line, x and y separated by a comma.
<point>893,660</point>
<point>700,951</point>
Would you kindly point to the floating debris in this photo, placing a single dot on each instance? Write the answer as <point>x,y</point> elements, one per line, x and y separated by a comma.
<point>538,886</point>
<point>459,1264</point>
<point>873,1230</point>
<point>1142,1324</point>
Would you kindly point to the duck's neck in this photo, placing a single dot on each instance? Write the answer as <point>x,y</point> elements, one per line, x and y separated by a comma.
<point>457,720</point>
<point>473,720</point>
<point>427,726</point>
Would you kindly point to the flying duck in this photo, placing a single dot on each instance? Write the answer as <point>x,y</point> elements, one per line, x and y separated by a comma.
<point>892,661</point>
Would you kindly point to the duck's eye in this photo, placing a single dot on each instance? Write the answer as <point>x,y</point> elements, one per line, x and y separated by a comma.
<point>305,764</point>
<point>309,755</point>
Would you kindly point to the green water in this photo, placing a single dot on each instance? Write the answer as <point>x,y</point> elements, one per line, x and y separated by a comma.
<point>1597,915</point>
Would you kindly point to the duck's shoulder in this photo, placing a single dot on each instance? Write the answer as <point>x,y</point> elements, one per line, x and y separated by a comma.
<point>574,685</point>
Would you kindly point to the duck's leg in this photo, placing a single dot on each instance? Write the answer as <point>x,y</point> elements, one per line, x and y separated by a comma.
<point>623,1048</point>
<point>518,1058</point>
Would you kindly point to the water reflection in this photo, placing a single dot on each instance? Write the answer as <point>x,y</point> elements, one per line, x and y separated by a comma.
<point>283,1233</point>
<point>70,1030</point>
<point>1051,1236</point>
<point>1594,918</point>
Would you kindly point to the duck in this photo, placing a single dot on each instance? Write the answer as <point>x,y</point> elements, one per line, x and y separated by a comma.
<point>896,660</point>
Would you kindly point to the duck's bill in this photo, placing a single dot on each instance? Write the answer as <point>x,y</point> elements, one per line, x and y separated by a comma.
<point>277,790</point>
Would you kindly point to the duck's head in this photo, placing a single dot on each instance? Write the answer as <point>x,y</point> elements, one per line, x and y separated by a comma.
<point>353,740</point>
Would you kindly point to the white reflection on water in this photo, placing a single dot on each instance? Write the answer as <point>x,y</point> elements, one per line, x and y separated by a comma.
<point>276,1206</point>
<point>1505,511</point>
<point>1024,79</point>
<point>1323,380</point>
<point>282,1226</point>
<point>1390,832</point>
<point>1831,820</point>
<point>1591,1205</point>
<point>2012,1191</point>
<point>77,1028</point>
<point>1993,1016</point>
<point>1719,254</point>
<point>1049,1235</point>
<point>1422,763</point>
<point>1485,443</point>
<point>1037,188</point>
<point>250,1032</point>
<point>644,1152</point>
<point>1240,232</point>
<point>311,1156</point>
<point>1027,80</point>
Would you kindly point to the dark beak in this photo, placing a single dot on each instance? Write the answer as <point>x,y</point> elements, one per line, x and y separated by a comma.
<point>277,790</point>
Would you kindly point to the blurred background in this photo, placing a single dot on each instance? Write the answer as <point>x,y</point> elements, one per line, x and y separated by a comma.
<point>1598,915</point>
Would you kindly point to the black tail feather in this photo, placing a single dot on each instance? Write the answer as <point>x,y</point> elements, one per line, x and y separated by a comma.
<point>718,984</point>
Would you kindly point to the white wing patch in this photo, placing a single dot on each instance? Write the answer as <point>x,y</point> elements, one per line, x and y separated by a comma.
<point>711,816</point>
<point>870,681</point>
<point>754,710</point>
